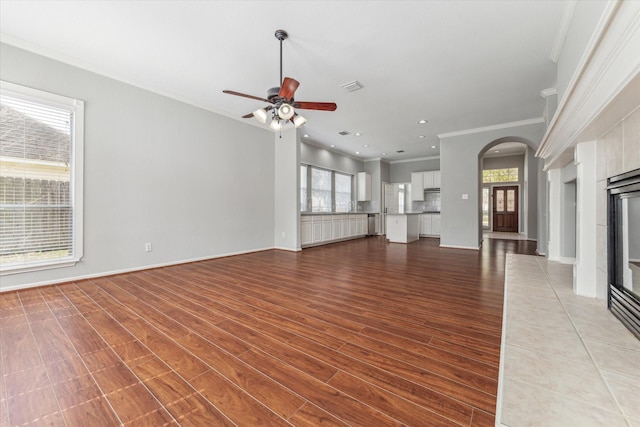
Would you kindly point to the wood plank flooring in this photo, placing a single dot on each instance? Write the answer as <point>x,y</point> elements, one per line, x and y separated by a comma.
<point>356,333</point>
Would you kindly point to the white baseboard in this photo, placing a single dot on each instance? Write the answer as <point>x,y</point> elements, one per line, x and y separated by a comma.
<point>460,247</point>
<point>566,260</point>
<point>126,270</point>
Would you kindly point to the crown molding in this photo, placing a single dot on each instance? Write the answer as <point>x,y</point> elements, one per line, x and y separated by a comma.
<point>492,127</point>
<point>561,35</point>
<point>419,159</point>
<point>545,93</point>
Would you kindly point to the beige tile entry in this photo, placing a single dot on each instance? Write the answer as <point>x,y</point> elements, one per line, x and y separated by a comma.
<point>565,359</point>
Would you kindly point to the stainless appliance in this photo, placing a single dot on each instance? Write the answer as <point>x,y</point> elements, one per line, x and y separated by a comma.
<point>371,224</point>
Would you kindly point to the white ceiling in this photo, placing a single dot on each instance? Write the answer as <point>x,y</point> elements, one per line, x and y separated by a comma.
<point>458,64</point>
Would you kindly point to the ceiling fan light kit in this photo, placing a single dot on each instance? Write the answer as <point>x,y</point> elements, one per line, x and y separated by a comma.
<point>260,115</point>
<point>284,106</point>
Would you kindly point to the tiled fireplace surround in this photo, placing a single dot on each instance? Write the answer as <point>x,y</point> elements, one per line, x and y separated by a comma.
<point>566,360</point>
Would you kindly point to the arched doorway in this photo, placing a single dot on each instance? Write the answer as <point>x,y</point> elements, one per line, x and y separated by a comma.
<point>508,189</point>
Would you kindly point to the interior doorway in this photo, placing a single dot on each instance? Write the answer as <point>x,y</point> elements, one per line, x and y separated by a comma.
<point>505,209</point>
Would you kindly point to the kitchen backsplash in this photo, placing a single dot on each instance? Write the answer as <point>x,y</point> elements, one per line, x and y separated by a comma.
<point>431,203</point>
<point>370,206</point>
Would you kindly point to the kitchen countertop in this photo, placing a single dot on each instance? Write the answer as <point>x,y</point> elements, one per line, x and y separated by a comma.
<point>337,213</point>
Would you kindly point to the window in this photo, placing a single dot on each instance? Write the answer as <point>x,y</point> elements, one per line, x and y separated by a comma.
<point>500,175</point>
<point>323,190</point>
<point>320,190</point>
<point>343,192</point>
<point>41,138</point>
<point>303,188</point>
<point>485,207</point>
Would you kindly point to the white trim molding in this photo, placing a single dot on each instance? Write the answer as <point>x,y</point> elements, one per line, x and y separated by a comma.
<point>610,63</point>
<point>492,127</point>
<point>561,35</point>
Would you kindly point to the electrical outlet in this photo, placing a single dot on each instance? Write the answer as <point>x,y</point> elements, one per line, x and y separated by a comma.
<point>148,247</point>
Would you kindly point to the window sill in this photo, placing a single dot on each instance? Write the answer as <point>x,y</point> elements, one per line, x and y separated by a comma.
<point>37,266</point>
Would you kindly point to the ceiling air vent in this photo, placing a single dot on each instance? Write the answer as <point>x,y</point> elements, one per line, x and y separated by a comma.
<point>400,151</point>
<point>344,132</point>
<point>352,86</point>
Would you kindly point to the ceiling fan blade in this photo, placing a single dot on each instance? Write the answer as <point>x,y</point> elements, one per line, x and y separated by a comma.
<point>248,116</point>
<point>325,106</point>
<point>288,88</point>
<point>231,92</point>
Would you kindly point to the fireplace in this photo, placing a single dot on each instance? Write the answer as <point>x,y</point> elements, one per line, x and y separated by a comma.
<point>623,225</point>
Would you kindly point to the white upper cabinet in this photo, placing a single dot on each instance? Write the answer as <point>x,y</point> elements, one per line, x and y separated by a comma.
<point>436,179</point>
<point>364,187</point>
<point>431,179</point>
<point>421,181</point>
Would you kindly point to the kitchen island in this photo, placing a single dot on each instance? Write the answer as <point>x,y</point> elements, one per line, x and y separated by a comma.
<point>403,228</point>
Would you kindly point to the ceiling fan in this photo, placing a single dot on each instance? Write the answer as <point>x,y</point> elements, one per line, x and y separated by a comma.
<point>283,107</point>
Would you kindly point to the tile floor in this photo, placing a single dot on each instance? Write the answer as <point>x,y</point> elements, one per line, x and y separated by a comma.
<point>565,360</point>
<point>503,235</point>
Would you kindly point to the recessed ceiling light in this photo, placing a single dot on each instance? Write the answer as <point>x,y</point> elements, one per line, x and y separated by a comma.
<point>420,136</point>
<point>357,134</point>
<point>357,152</point>
<point>497,151</point>
<point>305,136</point>
<point>332,145</point>
<point>421,122</point>
<point>384,154</point>
<point>365,145</point>
<point>433,146</point>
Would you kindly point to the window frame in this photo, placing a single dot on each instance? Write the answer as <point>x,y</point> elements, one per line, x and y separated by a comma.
<point>76,185</point>
<point>309,201</point>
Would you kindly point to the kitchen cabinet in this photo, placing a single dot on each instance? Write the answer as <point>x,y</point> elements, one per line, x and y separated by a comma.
<point>327,227</point>
<point>363,187</point>
<point>421,181</point>
<point>430,179</point>
<point>435,224</point>
<point>306,234</point>
<point>403,228</point>
<point>318,229</point>
<point>344,226</point>
<point>430,224</point>
<point>336,227</point>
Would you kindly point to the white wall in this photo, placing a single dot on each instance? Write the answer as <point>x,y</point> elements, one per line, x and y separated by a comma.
<point>323,158</point>
<point>191,182</point>
<point>460,174</point>
<point>586,17</point>
<point>400,171</point>
<point>287,190</point>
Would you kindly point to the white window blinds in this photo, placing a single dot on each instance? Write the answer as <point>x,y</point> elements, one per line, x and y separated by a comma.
<point>37,209</point>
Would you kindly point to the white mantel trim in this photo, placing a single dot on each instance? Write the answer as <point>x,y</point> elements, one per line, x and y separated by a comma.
<point>609,63</point>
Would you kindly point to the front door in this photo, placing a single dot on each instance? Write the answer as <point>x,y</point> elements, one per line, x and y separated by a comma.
<point>505,209</point>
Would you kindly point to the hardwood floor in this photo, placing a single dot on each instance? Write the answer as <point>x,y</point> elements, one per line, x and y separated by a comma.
<point>356,333</point>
